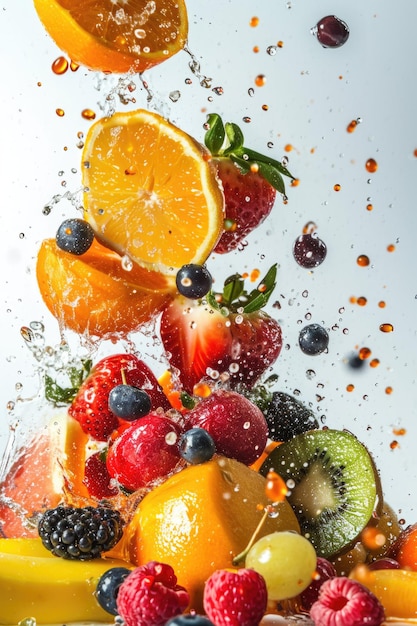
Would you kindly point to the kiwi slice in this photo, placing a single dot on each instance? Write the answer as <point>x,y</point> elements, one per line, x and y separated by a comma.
<point>334,486</point>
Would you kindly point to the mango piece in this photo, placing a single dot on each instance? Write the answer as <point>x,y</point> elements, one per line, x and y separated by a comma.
<point>34,583</point>
<point>396,589</point>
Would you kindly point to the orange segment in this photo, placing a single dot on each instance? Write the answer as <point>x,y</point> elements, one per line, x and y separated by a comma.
<point>199,519</point>
<point>51,466</point>
<point>151,192</point>
<point>396,589</point>
<point>117,36</point>
<point>93,293</point>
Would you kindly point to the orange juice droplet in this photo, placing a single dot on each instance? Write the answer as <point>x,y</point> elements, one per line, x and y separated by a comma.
<point>288,147</point>
<point>280,44</point>
<point>337,187</point>
<point>364,353</point>
<point>391,247</point>
<point>374,363</point>
<point>361,301</point>
<point>265,107</point>
<point>88,114</point>
<point>399,432</point>
<point>369,207</point>
<point>202,390</point>
<point>386,328</point>
<point>254,21</point>
<point>309,228</point>
<point>275,489</point>
<point>74,66</point>
<point>254,275</point>
<point>363,260</point>
<point>256,49</point>
<point>388,391</point>
<point>60,112</point>
<point>415,152</point>
<point>350,387</point>
<point>371,166</point>
<point>260,80</point>
<point>382,304</point>
<point>372,538</point>
<point>394,445</point>
<point>59,66</point>
<point>352,300</point>
<point>351,126</point>
<point>295,182</point>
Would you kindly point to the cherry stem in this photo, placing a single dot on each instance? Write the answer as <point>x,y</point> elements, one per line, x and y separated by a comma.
<point>237,559</point>
<point>123,373</point>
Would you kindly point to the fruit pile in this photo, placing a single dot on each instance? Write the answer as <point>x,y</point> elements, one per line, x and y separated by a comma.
<point>203,497</point>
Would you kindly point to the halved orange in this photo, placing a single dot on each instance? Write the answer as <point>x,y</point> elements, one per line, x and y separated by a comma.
<point>94,294</point>
<point>116,36</point>
<point>151,191</point>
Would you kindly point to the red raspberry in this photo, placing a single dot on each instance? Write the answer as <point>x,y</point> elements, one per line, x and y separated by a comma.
<point>324,570</point>
<point>150,596</point>
<point>235,598</point>
<point>346,602</point>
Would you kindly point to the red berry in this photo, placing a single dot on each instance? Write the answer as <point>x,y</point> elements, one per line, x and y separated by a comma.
<point>346,602</point>
<point>97,478</point>
<point>331,31</point>
<point>237,426</point>
<point>90,406</point>
<point>235,598</point>
<point>249,199</point>
<point>145,452</point>
<point>150,596</point>
<point>324,570</point>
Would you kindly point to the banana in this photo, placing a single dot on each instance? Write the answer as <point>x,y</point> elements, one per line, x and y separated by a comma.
<point>34,583</point>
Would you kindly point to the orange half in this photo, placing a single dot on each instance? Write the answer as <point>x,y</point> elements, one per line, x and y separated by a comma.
<point>116,36</point>
<point>94,294</point>
<point>151,191</point>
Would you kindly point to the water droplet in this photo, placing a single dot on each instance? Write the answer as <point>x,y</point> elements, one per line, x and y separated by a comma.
<point>174,96</point>
<point>272,50</point>
<point>127,264</point>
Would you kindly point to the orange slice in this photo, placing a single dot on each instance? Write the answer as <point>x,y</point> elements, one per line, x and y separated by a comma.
<point>151,191</point>
<point>396,589</point>
<point>117,36</point>
<point>93,293</point>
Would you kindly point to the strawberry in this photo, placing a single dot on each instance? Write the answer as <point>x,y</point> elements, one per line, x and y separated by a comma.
<point>250,181</point>
<point>90,405</point>
<point>224,333</point>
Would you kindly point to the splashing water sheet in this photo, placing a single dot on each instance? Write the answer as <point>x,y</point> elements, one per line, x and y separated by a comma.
<point>343,121</point>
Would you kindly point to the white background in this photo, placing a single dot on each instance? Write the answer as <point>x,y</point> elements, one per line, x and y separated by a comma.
<point>312,94</point>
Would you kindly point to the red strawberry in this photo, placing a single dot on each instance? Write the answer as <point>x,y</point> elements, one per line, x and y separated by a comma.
<point>347,602</point>
<point>235,598</point>
<point>150,596</point>
<point>250,181</point>
<point>90,405</point>
<point>225,333</point>
<point>238,428</point>
<point>145,452</point>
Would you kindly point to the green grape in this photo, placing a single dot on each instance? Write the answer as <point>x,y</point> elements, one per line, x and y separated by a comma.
<point>286,560</point>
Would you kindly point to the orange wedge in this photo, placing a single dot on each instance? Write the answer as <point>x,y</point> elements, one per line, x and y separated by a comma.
<point>49,470</point>
<point>116,36</point>
<point>151,192</point>
<point>93,293</point>
<point>396,589</point>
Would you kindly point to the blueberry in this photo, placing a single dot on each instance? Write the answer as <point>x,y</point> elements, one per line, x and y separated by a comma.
<point>75,236</point>
<point>287,417</point>
<point>189,620</point>
<point>196,446</point>
<point>129,402</point>
<point>108,587</point>
<point>194,281</point>
<point>309,251</point>
<point>313,339</point>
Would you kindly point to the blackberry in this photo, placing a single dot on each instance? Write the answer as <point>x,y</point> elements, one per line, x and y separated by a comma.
<point>80,533</point>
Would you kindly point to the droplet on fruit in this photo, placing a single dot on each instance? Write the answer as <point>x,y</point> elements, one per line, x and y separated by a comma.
<point>331,31</point>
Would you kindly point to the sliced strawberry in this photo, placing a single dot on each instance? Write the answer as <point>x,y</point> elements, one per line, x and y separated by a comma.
<point>226,333</point>
<point>90,406</point>
<point>250,181</point>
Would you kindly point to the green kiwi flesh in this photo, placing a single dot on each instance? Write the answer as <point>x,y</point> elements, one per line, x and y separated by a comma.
<point>334,486</point>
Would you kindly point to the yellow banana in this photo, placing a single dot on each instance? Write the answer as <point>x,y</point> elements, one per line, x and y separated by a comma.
<point>34,583</point>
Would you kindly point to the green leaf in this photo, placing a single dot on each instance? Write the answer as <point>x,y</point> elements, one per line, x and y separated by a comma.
<point>257,157</point>
<point>215,136</point>
<point>257,298</point>
<point>233,289</point>
<point>235,137</point>
<point>59,396</point>
<point>272,175</point>
<point>187,401</point>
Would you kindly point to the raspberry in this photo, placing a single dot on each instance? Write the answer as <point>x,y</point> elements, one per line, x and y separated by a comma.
<point>150,596</point>
<point>346,602</point>
<point>324,570</point>
<point>235,598</point>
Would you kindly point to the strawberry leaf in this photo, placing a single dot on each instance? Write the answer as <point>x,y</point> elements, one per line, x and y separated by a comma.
<point>233,289</point>
<point>61,396</point>
<point>235,137</point>
<point>215,136</point>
